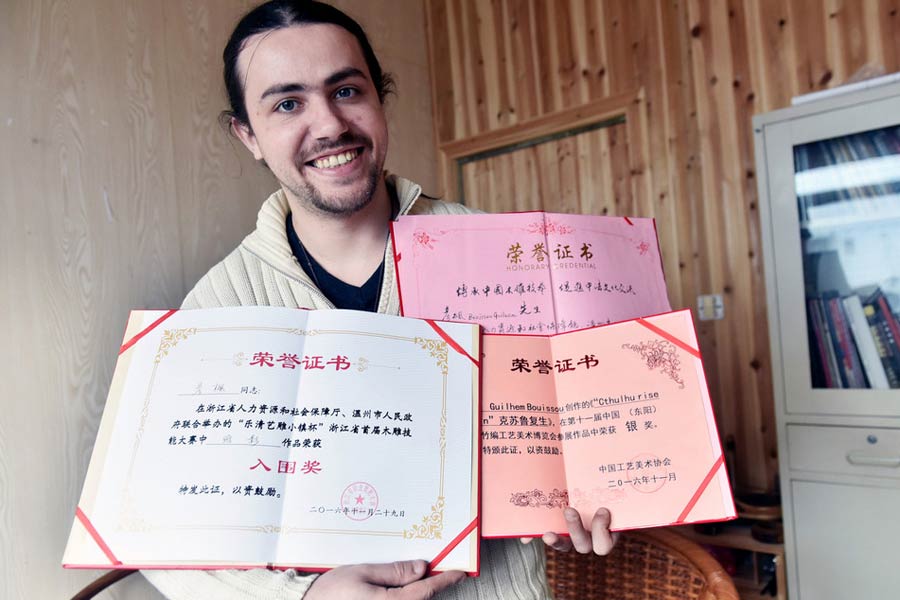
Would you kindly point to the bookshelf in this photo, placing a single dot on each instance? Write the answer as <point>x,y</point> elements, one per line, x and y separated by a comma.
<point>829,188</point>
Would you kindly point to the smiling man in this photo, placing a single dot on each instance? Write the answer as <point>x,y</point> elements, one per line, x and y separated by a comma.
<point>307,95</point>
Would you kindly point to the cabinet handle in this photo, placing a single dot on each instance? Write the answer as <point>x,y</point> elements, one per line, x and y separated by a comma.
<point>863,459</point>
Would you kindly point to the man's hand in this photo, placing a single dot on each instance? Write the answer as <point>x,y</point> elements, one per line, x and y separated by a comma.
<point>599,539</point>
<point>401,580</point>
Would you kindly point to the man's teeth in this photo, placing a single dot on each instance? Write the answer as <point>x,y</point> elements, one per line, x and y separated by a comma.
<point>335,160</point>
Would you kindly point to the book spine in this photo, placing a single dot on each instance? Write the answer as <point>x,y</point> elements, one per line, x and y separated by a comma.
<point>883,344</point>
<point>842,363</point>
<point>889,316</point>
<point>865,345</point>
<point>830,346</point>
<point>818,358</point>
<point>822,341</point>
<point>852,365</point>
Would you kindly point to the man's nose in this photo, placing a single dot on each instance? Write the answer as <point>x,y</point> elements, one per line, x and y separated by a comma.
<point>327,122</point>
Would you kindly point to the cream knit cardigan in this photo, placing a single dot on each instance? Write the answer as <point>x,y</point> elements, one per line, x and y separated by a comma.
<point>262,271</point>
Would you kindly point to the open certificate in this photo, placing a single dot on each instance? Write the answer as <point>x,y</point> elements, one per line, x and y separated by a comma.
<point>616,416</point>
<point>254,437</point>
<point>539,273</point>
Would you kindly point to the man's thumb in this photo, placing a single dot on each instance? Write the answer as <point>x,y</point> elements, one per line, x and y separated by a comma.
<point>395,574</point>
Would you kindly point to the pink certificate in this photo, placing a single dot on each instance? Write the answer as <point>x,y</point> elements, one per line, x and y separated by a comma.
<point>535,272</point>
<point>616,416</point>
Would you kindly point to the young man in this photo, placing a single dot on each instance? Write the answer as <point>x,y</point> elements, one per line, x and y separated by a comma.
<point>307,95</point>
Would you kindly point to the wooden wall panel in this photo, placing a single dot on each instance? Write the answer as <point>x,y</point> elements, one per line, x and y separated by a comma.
<point>546,176</point>
<point>218,185</point>
<point>703,68</point>
<point>118,190</point>
<point>92,231</point>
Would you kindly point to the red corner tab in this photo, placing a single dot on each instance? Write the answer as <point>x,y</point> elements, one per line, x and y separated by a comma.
<point>94,534</point>
<point>147,330</point>
<point>451,342</point>
<point>702,488</point>
<point>453,544</point>
<point>665,334</point>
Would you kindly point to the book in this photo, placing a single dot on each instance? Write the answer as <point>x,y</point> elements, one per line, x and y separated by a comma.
<point>614,416</point>
<point>845,351</point>
<point>272,437</point>
<point>535,272</point>
<point>879,316</point>
<point>877,298</point>
<point>823,366</point>
<point>829,341</point>
<point>865,344</point>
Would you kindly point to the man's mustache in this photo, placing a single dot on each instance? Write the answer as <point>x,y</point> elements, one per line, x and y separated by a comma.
<point>325,146</point>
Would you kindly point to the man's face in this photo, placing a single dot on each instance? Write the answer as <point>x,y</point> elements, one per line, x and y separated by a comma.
<point>315,117</point>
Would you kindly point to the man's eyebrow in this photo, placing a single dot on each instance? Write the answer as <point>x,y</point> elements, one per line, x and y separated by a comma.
<point>344,74</point>
<point>286,88</point>
<point>283,88</point>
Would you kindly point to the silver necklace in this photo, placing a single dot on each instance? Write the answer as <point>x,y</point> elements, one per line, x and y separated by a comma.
<point>312,273</point>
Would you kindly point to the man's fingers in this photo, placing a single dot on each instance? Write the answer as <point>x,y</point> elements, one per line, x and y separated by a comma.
<point>581,538</point>
<point>557,542</point>
<point>393,574</point>
<point>428,587</point>
<point>598,540</point>
<point>603,540</point>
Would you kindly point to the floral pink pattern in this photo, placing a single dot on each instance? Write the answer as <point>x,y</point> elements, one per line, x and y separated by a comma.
<point>421,238</point>
<point>545,227</point>
<point>660,354</point>
<point>643,248</point>
<point>535,498</point>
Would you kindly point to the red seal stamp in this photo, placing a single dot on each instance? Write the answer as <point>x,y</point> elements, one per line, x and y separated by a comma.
<point>359,501</point>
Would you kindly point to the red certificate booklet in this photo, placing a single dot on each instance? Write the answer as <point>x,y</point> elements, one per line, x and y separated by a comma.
<point>616,416</point>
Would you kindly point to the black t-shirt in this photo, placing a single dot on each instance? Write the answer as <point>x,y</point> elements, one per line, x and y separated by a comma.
<point>342,295</point>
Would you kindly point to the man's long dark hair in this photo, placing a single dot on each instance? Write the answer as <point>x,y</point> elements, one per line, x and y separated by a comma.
<point>278,14</point>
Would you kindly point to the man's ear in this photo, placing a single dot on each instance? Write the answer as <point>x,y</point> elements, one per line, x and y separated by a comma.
<point>245,134</point>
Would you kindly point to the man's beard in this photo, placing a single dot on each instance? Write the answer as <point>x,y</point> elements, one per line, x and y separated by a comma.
<point>338,205</point>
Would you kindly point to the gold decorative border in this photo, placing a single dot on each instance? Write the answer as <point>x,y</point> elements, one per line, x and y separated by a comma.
<point>431,526</point>
<point>169,339</point>
<point>438,349</point>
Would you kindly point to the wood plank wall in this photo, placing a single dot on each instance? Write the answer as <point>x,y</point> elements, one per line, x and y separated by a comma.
<point>704,67</point>
<point>118,190</point>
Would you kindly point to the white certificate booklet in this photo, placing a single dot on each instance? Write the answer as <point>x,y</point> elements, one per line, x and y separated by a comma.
<point>272,437</point>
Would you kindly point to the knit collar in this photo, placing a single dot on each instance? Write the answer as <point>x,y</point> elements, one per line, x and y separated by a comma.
<point>269,240</point>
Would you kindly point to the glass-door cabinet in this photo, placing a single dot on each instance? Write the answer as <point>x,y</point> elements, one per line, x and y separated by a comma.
<point>829,191</point>
<point>833,229</point>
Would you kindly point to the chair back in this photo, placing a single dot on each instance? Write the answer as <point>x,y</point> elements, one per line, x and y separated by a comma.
<point>101,583</point>
<point>649,564</point>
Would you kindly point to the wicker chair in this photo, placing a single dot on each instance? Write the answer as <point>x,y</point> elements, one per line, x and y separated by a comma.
<point>651,564</point>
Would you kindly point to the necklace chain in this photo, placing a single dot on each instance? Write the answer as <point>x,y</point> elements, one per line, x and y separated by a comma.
<point>312,273</point>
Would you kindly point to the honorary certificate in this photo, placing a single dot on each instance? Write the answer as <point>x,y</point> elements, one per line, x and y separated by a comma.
<point>616,416</point>
<point>575,411</point>
<point>252,437</point>
<point>539,273</point>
